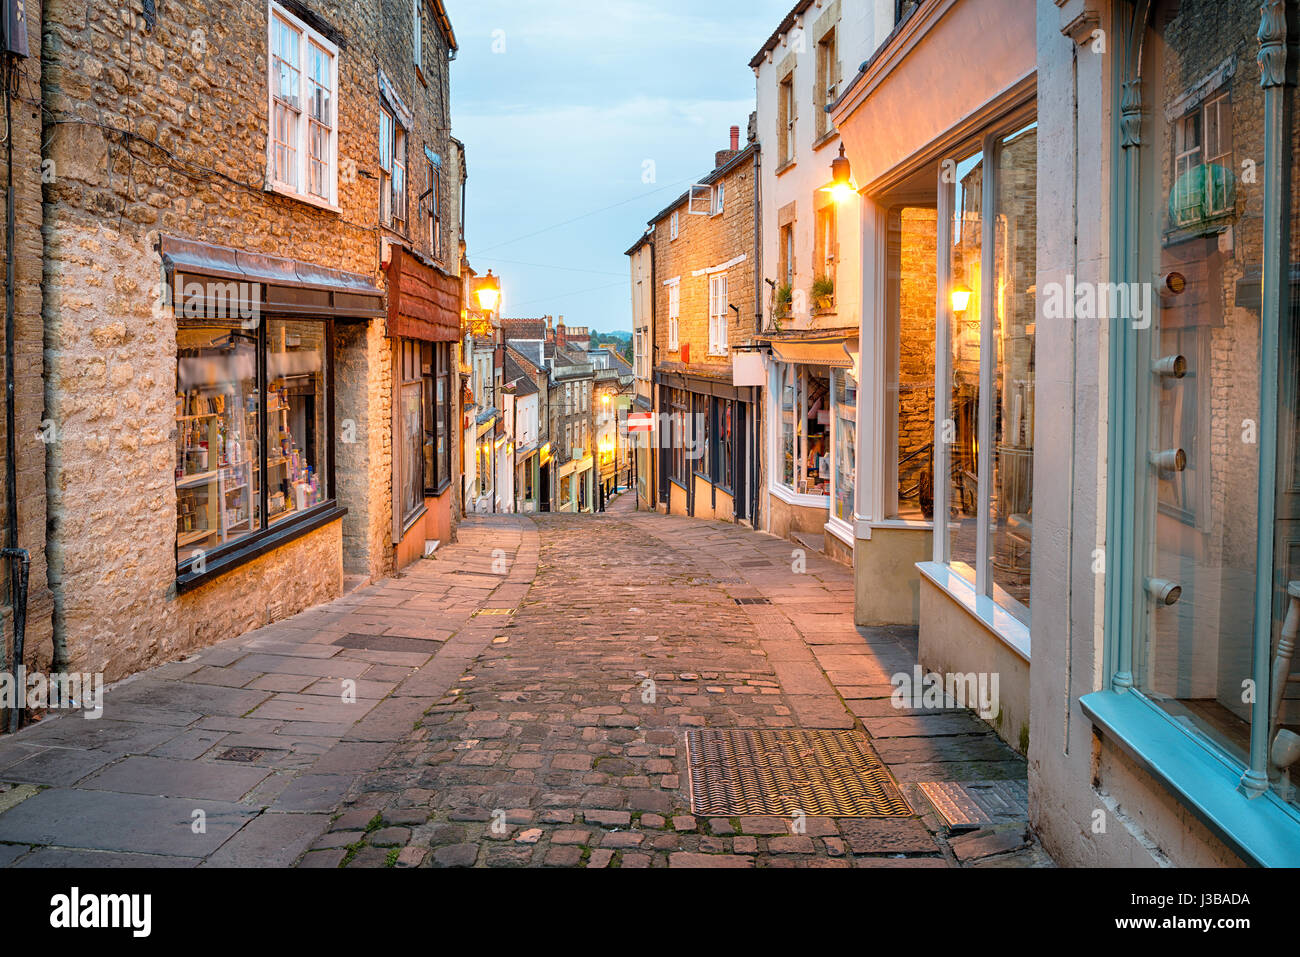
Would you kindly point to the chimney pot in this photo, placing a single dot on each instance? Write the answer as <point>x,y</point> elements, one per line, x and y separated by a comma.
<point>735,137</point>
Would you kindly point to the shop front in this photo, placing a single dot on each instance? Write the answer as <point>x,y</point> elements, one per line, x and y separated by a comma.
<point>704,441</point>
<point>812,440</point>
<point>424,328</point>
<point>948,161</point>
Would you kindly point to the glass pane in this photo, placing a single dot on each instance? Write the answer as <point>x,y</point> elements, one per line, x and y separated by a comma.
<point>846,418</point>
<point>1015,262</point>
<point>217,495</point>
<point>1198,647</point>
<point>295,416</point>
<point>961,431</point>
<point>788,454</point>
<point>411,482</point>
<point>817,425</point>
<point>913,277</point>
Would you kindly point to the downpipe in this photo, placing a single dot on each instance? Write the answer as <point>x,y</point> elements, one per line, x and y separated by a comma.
<point>20,564</point>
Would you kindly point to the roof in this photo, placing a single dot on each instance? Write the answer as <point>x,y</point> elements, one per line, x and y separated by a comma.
<point>621,360</point>
<point>524,328</point>
<point>645,238</point>
<point>775,39</point>
<point>713,177</point>
<point>518,375</point>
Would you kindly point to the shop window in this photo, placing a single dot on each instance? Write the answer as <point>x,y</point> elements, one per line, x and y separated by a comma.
<point>295,416</point>
<point>244,451</point>
<point>911,330</point>
<point>844,467</point>
<point>679,410</point>
<point>1194,645</point>
<point>805,428</point>
<point>961,429</point>
<point>722,452</point>
<point>218,437</point>
<point>303,74</point>
<point>702,434</point>
<point>436,358</point>
<point>408,457</point>
<point>392,171</point>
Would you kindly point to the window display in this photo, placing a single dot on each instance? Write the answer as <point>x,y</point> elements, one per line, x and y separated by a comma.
<point>295,415</point>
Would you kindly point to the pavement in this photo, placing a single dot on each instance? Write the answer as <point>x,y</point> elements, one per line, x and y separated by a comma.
<point>489,707</point>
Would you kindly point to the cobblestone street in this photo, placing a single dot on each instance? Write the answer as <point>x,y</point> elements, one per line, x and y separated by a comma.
<point>501,718</point>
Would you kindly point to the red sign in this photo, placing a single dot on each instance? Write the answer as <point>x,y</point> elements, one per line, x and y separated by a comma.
<point>640,421</point>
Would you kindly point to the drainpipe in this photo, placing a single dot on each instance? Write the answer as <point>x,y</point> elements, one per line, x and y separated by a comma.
<point>19,559</point>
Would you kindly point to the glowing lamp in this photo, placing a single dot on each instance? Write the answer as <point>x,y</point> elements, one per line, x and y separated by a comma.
<point>489,292</point>
<point>960,298</point>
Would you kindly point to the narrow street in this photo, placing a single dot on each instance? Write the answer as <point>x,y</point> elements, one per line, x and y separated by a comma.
<point>523,699</point>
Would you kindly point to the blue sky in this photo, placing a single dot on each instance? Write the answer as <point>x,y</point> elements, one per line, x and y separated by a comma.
<point>560,123</point>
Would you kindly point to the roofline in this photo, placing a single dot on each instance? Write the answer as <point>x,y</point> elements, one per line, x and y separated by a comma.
<point>646,237</point>
<point>712,177</point>
<point>783,29</point>
<point>444,24</point>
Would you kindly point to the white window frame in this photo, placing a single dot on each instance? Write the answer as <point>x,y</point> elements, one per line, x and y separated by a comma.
<point>700,194</point>
<point>400,157</point>
<point>417,34</point>
<point>674,312</point>
<point>302,134</point>
<point>719,198</point>
<point>673,226</point>
<point>718,308</point>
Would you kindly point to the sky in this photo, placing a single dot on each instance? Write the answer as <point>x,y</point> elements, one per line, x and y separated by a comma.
<point>581,119</point>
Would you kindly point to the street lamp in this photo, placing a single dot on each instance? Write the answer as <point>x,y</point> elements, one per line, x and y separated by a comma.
<point>489,292</point>
<point>960,298</point>
<point>841,187</point>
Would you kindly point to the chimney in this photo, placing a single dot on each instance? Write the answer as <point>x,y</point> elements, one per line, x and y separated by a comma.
<point>559,332</point>
<point>723,157</point>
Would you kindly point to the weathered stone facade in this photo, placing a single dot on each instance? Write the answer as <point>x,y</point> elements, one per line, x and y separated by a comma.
<point>29,390</point>
<point>157,127</point>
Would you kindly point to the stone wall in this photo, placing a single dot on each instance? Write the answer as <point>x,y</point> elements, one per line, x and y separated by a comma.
<point>162,129</point>
<point>29,389</point>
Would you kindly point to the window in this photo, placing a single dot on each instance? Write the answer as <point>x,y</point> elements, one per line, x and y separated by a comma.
<point>302,148</point>
<point>844,389</point>
<point>910,308</point>
<point>679,410</point>
<point>409,457</point>
<point>435,373</point>
<point>988,445</point>
<point>1204,184</point>
<point>719,201</point>
<point>417,33</point>
<point>435,210</point>
<point>392,171</point>
<point>674,311</point>
<point>244,451</point>
<point>785,120</point>
<point>718,309</point>
<point>828,81</point>
<point>825,248</point>
<point>722,451</point>
<point>802,394</point>
<point>672,226</point>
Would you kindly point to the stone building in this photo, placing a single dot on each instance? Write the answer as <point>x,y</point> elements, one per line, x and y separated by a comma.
<point>572,423</point>
<point>23,431</point>
<point>642,276</point>
<point>706,303</point>
<point>251,312</point>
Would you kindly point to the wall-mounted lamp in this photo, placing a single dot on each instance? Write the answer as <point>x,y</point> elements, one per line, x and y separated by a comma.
<point>489,292</point>
<point>960,298</point>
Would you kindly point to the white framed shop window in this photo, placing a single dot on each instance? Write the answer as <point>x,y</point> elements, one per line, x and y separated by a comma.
<point>800,456</point>
<point>302,110</point>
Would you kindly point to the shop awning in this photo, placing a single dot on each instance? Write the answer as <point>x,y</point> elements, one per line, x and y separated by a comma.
<point>423,301</point>
<point>833,353</point>
<point>207,280</point>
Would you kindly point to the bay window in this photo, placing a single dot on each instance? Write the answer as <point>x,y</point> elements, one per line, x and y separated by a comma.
<point>302,148</point>
<point>983,480</point>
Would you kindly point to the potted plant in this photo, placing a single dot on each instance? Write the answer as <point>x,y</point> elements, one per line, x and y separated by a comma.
<point>823,293</point>
<point>784,298</point>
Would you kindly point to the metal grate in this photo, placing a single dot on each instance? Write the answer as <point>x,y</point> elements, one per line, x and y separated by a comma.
<point>828,773</point>
<point>244,755</point>
<point>752,601</point>
<point>965,807</point>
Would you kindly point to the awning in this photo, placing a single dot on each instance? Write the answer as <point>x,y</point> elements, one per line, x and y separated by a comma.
<point>833,353</point>
<point>423,301</point>
<point>209,281</point>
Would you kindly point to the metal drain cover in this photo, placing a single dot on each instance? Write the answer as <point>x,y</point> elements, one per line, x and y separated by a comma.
<point>245,755</point>
<point>965,807</point>
<point>752,601</point>
<point>828,773</point>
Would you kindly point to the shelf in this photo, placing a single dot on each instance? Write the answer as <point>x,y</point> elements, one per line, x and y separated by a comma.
<point>197,478</point>
<point>189,538</point>
<point>204,415</point>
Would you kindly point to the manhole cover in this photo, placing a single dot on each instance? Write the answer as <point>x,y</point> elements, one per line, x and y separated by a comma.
<point>245,755</point>
<point>829,773</point>
<point>966,807</point>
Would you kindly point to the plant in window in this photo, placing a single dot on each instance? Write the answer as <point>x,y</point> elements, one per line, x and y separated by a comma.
<point>784,298</point>
<point>823,292</point>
